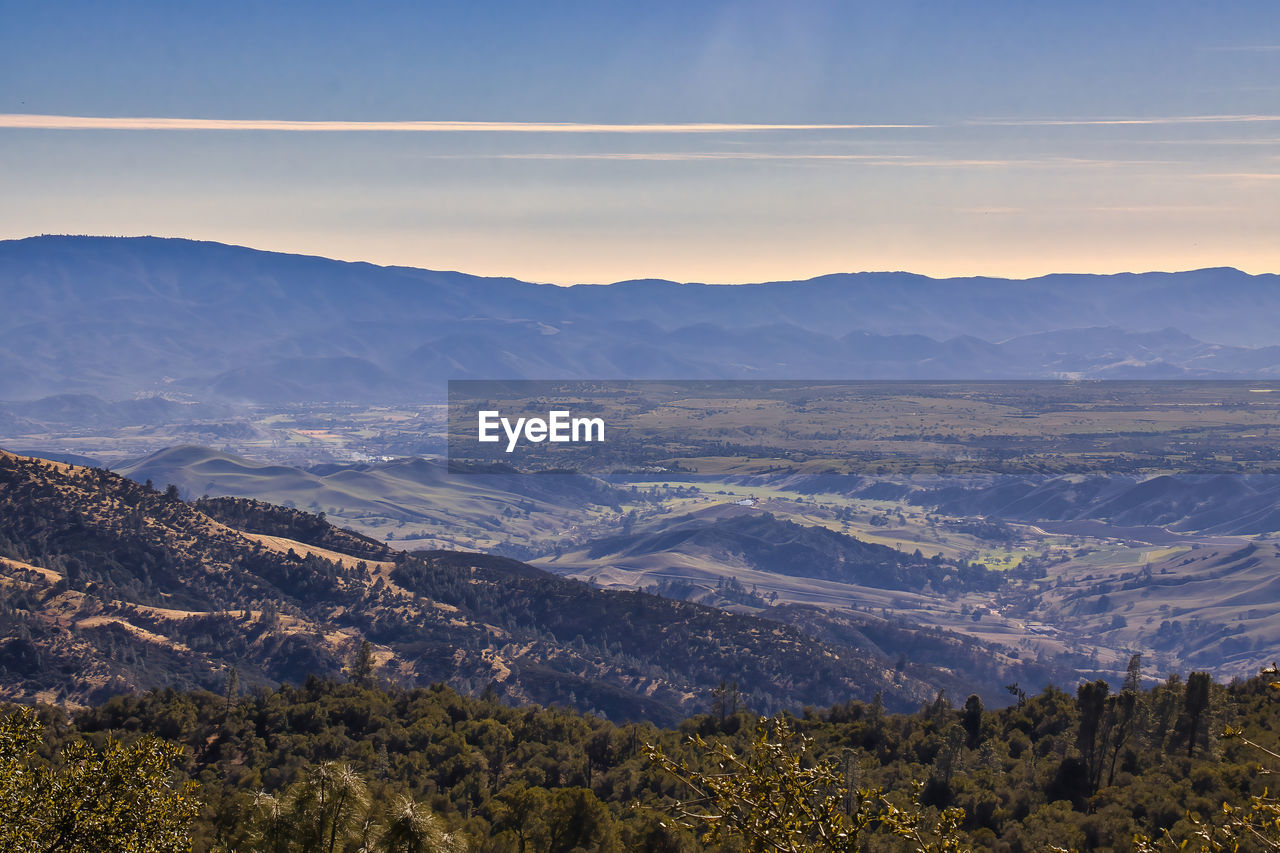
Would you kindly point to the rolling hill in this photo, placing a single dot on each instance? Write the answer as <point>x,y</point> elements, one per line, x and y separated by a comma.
<point>1125,559</point>
<point>415,501</point>
<point>760,542</point>
<point>1220,504</point>
<point>107,586</point>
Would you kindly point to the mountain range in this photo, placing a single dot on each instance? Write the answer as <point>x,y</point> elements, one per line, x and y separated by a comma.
<point>119,317</point>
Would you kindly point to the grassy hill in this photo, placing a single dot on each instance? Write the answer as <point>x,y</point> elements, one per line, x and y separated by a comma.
<point>109,586</point>
<point>765,543</point>
<point>415,501</point>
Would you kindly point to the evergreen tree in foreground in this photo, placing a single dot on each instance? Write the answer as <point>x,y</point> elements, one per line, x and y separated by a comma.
<point>121,798</point>
<point>776,799</point>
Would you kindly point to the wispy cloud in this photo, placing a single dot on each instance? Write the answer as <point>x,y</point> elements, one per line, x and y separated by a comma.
<point>1241,176</point>
<point>55,122</point>
<point>1159,208</point>
<point>67,122</point>
<point>902,160</point>
<point>1256,140</point>
<point>674,156</point>
<point>1148,120</point>
<point>1094,209</point>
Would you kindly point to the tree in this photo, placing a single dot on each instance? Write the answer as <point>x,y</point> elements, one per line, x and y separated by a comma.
<point>521,810</point>
<point>777,800</point>
<point>576,818</point>
<point>971,719</point>
<point>1124,711</point>
<point>949,753</point>
<point>725,700</point>
<point>322,812</point>
<point>1091,701</point>
<point>329,810</point>
<point>411,828</point>
<point>360,670</point>
<point>122,798</point>
<point>1195,706</point>
<point>1252,827</point>
<point>231,690</point>
<point>1133,674</point>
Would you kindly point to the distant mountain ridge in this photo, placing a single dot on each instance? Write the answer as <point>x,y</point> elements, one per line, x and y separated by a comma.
<point>119,316</point>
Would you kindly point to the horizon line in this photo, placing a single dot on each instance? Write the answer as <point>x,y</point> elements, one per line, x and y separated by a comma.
<point>304,254</point>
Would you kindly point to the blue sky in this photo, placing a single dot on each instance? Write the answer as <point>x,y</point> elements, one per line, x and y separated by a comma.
<point>944,138</point>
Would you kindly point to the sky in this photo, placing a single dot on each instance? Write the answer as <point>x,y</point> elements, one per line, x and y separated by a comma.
<point>597,141</point>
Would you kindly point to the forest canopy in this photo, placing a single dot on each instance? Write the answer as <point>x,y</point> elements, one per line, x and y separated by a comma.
<point>1088,770</point>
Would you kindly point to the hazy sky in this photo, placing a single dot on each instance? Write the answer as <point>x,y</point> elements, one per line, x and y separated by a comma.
<point>726,142</point>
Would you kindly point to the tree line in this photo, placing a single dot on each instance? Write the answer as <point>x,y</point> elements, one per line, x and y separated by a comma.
<point>353,763</point>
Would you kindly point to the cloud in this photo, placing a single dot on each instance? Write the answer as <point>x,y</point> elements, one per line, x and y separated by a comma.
<point>675,156</point>
<point>1256,140</point>
<point>1152,120</point>
<point>902,160</point>
<point>1241,176</point>
<point>66,122</point>
<point>53,122</point>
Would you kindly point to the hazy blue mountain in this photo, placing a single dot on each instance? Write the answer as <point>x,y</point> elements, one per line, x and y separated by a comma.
<point>116,317</point>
